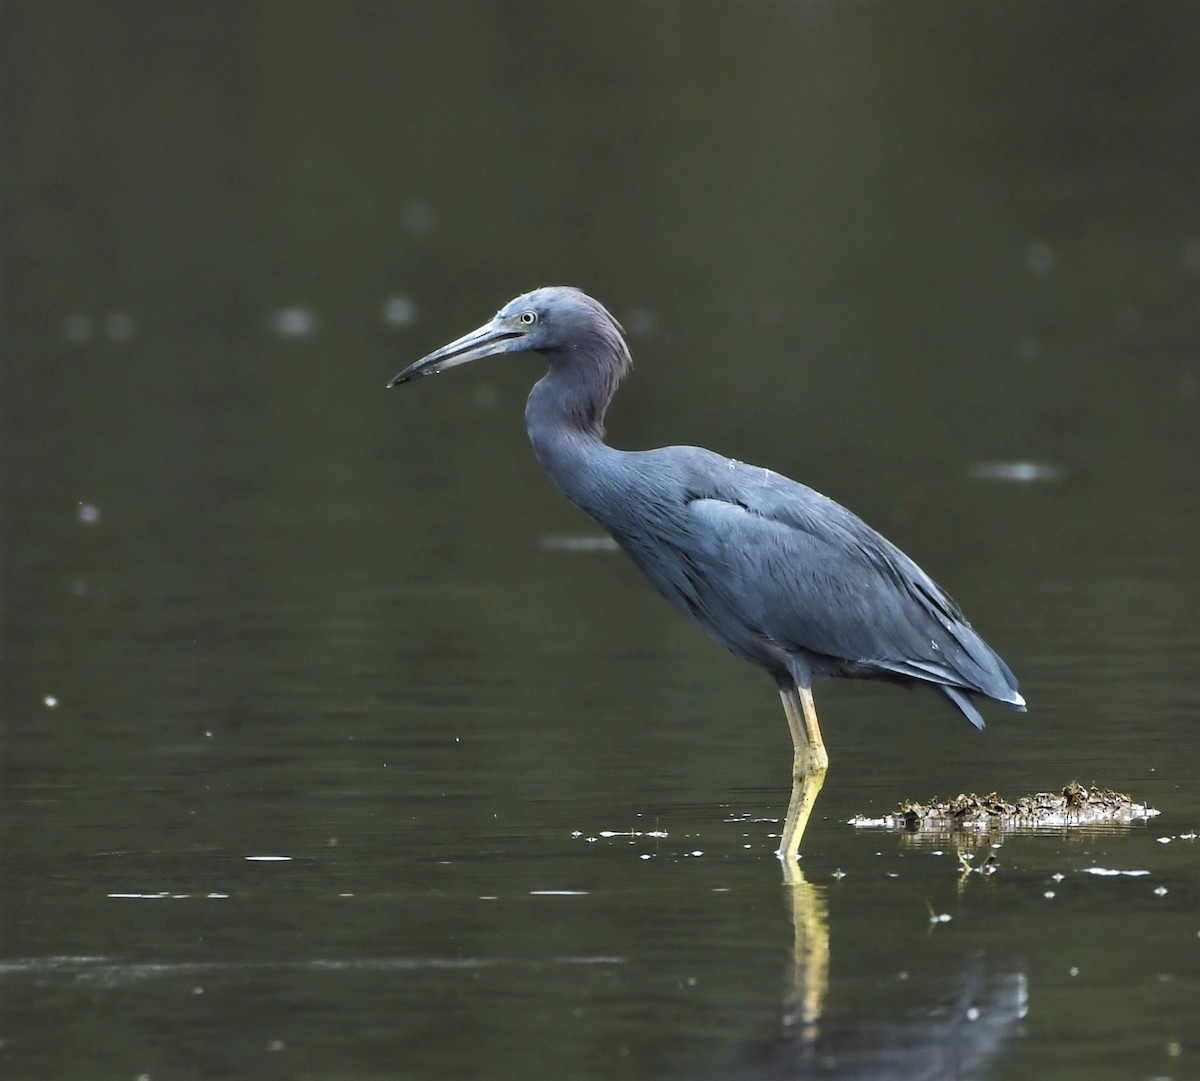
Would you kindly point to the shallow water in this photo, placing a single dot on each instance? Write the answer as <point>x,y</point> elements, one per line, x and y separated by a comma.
<point>944,270</point>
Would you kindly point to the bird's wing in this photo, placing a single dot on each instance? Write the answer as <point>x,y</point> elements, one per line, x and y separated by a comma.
<point>808,574</point>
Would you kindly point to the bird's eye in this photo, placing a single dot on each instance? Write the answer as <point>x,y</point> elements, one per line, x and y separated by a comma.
<point>528,318</point>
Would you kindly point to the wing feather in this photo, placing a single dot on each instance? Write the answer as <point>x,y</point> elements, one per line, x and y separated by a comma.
<point>810,575</point>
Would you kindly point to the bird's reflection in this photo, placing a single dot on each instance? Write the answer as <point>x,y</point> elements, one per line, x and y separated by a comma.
<point>953,1032</point>
<point>807,981</point>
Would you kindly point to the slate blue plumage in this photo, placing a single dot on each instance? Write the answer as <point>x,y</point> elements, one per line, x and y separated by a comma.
<point>776,572</point>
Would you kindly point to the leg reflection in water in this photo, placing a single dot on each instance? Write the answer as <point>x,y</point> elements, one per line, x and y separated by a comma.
<point>950,1032</point>
<point>807,981</point>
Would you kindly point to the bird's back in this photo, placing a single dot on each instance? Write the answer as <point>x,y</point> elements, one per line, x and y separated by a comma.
<point>783,575</point>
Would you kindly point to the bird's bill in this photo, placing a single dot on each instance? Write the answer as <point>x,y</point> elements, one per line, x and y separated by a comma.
<point>488,341</point>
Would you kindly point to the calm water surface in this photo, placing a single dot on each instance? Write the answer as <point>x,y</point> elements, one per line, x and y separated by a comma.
<point>522,816</point>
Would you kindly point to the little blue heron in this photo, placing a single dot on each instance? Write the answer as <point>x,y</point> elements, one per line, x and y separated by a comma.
<point>776,572</point>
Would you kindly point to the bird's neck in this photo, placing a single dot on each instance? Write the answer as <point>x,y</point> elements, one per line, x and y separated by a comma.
<point>565,421</point>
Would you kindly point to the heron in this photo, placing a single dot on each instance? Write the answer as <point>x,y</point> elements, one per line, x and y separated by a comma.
<point>776,572</point>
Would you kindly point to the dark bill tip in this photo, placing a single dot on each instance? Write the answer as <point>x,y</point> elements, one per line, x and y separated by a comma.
<point>414,371</point>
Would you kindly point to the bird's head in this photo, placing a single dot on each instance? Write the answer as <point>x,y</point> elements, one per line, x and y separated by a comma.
<point>555,320</point>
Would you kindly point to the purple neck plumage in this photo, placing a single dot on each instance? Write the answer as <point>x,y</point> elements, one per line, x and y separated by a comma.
<point>565,412</point>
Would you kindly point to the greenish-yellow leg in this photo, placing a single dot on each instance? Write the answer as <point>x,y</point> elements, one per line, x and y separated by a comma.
<point>809,748</point>
<point>809,764</point>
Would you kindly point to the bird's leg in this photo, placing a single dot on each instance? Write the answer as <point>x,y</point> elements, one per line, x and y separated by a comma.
<point>807,745</point>
<point>805,789</point>
<point>809,764</point>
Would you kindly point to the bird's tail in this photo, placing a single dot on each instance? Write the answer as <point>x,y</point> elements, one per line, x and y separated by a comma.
<point>962,700</point>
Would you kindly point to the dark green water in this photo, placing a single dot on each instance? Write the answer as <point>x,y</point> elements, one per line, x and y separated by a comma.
<point>254,606</point>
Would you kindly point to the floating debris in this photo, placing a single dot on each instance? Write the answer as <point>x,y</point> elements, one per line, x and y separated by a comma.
<point>609,835</point>
<point>1071,808</point>
<point>631,833</point>
<point>937,917</point>
<point>1112,872</point>
<point>988,867</point>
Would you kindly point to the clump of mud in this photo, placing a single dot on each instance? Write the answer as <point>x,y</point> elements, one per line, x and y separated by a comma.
<point>1074,806</point>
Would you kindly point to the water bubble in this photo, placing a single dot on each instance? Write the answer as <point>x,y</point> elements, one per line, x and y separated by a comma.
<point>590,543</point>
<point>119,327</point>
<point>486,396</point>
<point>1129,316</point>
<point>295,322</point>
<point>77,329</point>
<point>1023,472</point>
<point>88,513</point>
<point>641,322</point>
<point>399,311</point>
<point>1029,348</point>
<point>418,217</point>
<point>50,701</point>
<point>1039,258</point>
<point>1191,255</point>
